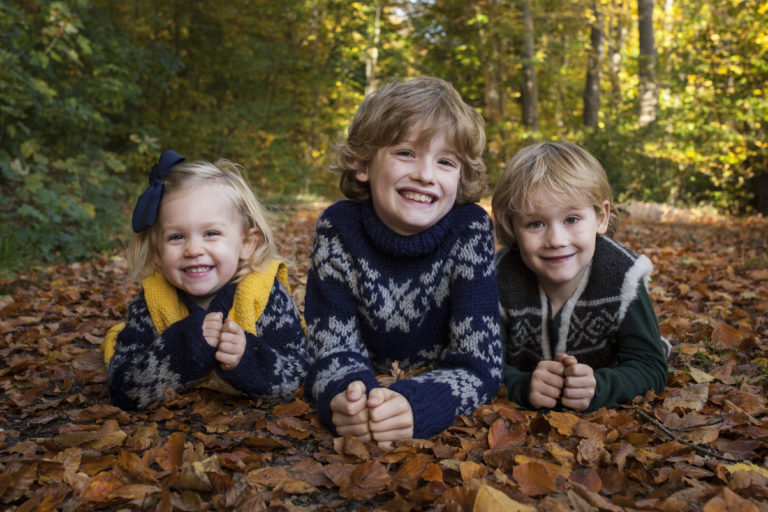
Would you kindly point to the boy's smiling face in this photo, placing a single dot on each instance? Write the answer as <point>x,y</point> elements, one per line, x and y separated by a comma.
<point>557,242</point>
<point>413,185</point>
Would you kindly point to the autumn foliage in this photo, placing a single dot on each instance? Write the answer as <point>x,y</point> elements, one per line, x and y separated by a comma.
<point>700,445</point>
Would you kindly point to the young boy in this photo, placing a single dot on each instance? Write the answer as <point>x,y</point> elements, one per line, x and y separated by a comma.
<point>578,324</point>
<point>403,272</point>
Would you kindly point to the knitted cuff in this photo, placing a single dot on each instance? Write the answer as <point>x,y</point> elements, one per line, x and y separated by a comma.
<point>432,404</point>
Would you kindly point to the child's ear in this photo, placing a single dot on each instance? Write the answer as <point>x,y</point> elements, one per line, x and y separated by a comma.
<point>251,240</point>
<point>603,217</point>
<point>361,174</point>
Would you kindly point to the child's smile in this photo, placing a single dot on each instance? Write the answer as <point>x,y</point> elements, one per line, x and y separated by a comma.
<point>557,243</point>
<point>413,185</point>
<point>202,241</point>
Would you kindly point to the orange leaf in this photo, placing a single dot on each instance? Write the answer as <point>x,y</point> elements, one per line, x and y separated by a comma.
<point>534,479</point>
<point>563,422</point>
<point>433,473</point>
<point>728,501</point>
<point>470,470</point>
<point>171,455</point>
<point>500,435</point>
<point>366,481</point>
<point>134,491</point>
<point>101,486</point>
<point>408,474</point>
<point>726,335</point>
<point>296,408</point>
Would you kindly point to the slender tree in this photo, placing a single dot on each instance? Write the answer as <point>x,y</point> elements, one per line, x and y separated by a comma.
<point>617,27</point>
<point>530,92</point>
<point>647,90</point>
<point>372,53</point>
<point>594,67</point>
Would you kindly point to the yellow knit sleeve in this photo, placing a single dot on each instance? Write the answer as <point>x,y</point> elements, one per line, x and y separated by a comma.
<point>108,345</point>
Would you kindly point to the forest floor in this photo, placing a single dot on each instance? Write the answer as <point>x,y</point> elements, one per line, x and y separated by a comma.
<point>699,445</point>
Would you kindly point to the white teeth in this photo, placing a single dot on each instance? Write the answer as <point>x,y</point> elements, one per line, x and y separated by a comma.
<point>196,270</point>
<point>415,196</point>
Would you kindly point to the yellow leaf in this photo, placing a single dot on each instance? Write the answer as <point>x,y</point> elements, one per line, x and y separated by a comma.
<point>743,466</point>
<point>699,376</point>
<point>490,499</point>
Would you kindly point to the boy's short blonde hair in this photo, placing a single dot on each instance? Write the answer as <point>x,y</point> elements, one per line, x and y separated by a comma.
<point>144,246</point>
<point>385,117</point>
<point>561,170</point>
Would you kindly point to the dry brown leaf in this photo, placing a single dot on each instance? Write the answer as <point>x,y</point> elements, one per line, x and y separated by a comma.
<point>490,499</point>
<point>534,479</point>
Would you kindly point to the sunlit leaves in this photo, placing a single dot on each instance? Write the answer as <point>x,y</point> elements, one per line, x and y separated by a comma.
<point>697,446</point>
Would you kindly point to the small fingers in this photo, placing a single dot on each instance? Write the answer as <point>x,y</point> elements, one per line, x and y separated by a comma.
<point>576,404</point>
<point>359,431</point>
<point>355,390</point>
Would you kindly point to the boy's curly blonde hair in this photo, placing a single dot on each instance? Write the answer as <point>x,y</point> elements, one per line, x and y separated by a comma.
<point>561,170</point>
<point>144,246</point>
<point>385,118</point>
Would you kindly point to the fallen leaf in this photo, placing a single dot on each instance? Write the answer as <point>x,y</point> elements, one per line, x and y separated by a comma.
<point>490,499</point>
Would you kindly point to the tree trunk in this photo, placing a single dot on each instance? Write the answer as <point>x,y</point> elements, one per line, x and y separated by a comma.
<point>647,63</point>
<point>530,92</point>
<point>618,32</point>
<point>594,67</point>
<point>372,55</point>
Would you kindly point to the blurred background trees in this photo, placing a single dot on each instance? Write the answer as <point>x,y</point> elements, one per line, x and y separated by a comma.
<point>670,95</point>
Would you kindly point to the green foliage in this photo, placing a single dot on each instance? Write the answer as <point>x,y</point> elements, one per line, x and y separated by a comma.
<point>61,107</point>
<point>94,89</point>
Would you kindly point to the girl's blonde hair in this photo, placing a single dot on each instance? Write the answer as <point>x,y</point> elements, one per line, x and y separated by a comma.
<point>561,170</point>
<point>144,246</point>
<point>385,117</point>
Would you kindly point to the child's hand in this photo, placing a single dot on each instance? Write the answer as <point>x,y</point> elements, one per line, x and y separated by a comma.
<point>212,328</point>
<point>390,416</point>
<point>546,384</point>
<point>580,383</point>
<point>350,412</point>
<point>231,345</point>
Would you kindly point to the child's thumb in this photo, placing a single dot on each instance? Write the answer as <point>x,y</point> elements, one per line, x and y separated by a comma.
<point>376,397</point>
<point>355,390</point>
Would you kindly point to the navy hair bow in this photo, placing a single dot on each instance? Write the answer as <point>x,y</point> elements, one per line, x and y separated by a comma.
<point>148,204</point>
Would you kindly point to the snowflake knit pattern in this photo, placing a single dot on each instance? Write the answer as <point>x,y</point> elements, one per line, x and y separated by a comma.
<point>589,320</point>
<point>428,301</point>
<point>161,345</point>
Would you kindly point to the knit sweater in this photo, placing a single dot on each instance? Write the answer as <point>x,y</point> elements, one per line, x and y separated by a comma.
<point>428,301</point>
<point>161,345</point>
<point>608,324</point>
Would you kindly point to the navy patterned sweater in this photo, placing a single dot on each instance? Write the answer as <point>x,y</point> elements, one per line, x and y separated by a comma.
<point>428,301</point>
<point>146,362</point>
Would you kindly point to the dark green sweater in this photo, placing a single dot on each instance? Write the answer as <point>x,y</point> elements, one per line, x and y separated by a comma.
<point>641,364</point>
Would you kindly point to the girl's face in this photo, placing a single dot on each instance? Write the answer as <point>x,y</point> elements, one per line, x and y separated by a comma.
<point>202,241</point>
<point>557,242</point>
<point>413,185</point>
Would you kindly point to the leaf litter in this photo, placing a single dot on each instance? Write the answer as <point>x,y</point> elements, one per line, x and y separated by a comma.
<point>699,445</point>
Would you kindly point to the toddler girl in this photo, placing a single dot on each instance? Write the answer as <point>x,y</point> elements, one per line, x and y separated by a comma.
<point>213,297</point>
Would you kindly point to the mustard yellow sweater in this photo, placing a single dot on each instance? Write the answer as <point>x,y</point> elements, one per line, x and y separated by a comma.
<point>161,346</point>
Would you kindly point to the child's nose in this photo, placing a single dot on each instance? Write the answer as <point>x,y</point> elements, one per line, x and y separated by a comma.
<point>193,247</point>
<point>425,172</point>
<point>555,236</point>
